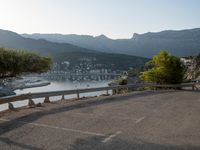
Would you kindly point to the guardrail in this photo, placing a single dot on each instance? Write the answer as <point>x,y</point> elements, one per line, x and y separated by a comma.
<point>47,95</point>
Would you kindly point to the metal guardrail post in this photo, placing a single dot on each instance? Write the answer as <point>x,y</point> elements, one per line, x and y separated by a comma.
<point>78,95</point>
<point>63,98</point>
<point>193,88</point>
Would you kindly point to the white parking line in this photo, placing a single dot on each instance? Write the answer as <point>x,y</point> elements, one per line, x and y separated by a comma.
<point>111,116</point>
<point>56,127</point>
<point>139,120</point>
<point>111,137</point>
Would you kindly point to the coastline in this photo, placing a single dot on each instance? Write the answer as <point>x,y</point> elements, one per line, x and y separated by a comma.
<point>7,87</point>
<point>33,85</point>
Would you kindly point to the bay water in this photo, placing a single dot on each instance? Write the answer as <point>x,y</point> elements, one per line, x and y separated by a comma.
<point>59,86</point>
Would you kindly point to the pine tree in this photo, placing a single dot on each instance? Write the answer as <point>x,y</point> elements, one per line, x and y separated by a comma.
<point>164,69</point>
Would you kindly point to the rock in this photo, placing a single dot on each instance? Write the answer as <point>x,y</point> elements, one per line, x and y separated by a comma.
<point>6,91</point>
<point>193,70</point>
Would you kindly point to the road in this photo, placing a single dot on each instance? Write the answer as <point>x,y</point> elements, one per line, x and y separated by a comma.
<point>150,120</point>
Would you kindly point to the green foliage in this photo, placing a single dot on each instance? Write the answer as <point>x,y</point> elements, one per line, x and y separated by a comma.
<point>164,69</point>
<point>13,63</point>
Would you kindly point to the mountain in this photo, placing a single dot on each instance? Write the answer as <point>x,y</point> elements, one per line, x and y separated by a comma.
<point>76,56</point>
<point>13,40</point>
<point>179,43</point>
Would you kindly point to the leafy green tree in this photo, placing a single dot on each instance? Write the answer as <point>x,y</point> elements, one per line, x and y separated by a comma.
<point>164,69</point>
<point>13,63</point>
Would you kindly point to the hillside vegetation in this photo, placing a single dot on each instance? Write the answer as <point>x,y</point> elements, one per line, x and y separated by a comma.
<point>113,62</point>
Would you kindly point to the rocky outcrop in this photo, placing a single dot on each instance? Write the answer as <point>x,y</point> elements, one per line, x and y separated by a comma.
<point>8,86</point>
<point>193,70</point>
<point>6,91</point>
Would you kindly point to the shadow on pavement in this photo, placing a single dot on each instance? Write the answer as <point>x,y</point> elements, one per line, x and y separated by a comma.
<point>11,145</point>
<point>94,143</point>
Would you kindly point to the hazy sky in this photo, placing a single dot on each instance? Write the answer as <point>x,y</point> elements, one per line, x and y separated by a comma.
<point>114,18</point>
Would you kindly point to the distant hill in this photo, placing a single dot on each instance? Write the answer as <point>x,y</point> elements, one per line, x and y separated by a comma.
<point>13,40</point>
<point>67,52</point>
<point>179,43</point>
<point>110,61</point>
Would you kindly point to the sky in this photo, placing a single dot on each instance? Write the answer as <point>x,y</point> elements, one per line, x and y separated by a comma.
<point>114,18</point>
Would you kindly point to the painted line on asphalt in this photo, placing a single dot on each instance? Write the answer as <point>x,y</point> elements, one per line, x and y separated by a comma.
<point>56,127</point>
<point>102,115</point>
<point>111,137</point>
<point>139,120</point>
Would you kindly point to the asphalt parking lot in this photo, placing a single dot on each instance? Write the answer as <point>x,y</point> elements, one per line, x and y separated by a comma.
<point>150,120</point>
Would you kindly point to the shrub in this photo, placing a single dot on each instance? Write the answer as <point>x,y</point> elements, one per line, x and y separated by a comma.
<point>164,69</point>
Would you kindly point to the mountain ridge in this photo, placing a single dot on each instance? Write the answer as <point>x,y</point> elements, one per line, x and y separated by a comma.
<point>13,40</point>
<point>177,42</point>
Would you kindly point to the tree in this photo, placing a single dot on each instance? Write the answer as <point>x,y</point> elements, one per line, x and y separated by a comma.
<point>164,69</point>
<point>13,63</point>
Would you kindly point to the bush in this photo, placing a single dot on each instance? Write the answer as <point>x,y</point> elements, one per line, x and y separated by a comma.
<point>164,69</point>
<point>13,63</point>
